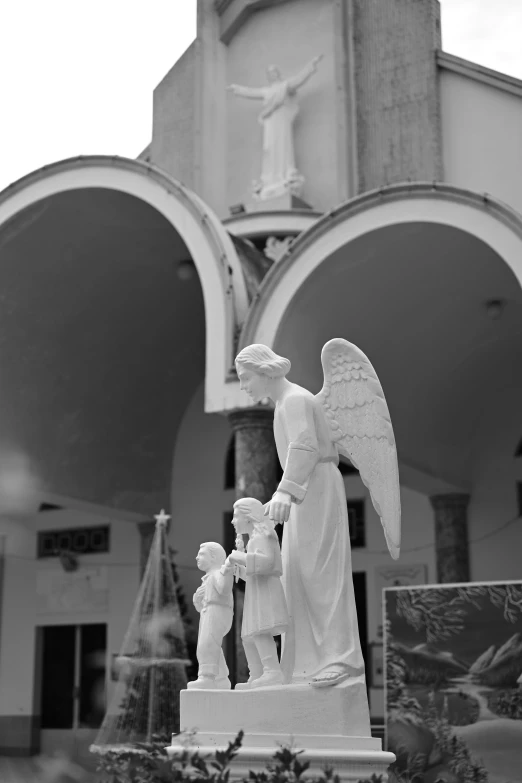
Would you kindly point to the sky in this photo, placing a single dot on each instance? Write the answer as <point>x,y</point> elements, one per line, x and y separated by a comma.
<point>77,76</point>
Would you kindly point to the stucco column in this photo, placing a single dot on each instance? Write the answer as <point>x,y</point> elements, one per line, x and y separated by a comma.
<point>451,537</point>
<point>256,457</point>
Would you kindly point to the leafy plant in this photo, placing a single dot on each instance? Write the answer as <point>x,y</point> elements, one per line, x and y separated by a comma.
<point>151,764</point>
<point>507,703</point>
<point>452,748</point>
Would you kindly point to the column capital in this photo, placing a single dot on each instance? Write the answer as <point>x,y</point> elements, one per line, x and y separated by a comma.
<point>258,417</point>
<point>453,500</point>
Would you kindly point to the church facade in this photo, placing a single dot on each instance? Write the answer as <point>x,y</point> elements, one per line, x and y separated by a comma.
<point>366,186</point>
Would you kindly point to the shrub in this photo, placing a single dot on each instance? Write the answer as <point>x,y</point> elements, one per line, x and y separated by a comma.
<point>151,764</point>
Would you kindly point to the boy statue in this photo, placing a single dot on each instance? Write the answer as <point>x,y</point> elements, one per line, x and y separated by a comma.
<point>214,601</point>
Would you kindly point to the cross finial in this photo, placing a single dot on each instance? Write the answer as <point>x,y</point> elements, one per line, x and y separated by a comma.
<point>161,518</point>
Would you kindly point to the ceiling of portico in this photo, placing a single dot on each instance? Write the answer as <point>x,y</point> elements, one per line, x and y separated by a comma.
<point>412,297</point>
<point>101,345</point>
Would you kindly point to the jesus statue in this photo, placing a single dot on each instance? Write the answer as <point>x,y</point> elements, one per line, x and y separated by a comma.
<point>279,174</point>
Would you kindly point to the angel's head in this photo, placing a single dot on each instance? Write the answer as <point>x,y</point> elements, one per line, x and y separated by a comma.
<point>257,366</point>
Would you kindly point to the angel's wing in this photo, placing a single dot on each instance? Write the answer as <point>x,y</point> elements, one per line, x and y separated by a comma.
<point>353,401</point>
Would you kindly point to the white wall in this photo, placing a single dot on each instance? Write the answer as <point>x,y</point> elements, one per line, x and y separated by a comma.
<point>481,137</point>
<point>19,614</point>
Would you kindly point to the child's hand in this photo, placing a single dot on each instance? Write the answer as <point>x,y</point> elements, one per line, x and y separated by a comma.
<point>237,558</point>
<point>227,567</point>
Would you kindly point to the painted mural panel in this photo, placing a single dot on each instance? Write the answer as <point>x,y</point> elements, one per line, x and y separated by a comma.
<point>454,682</point>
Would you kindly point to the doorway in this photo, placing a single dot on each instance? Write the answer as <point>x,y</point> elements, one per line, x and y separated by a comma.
<point>72,691</point>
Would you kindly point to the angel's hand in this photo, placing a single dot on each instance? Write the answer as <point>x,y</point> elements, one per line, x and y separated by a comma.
<point>279,507</point>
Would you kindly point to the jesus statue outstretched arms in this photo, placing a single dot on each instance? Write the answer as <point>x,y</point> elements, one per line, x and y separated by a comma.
<point>279,174</point>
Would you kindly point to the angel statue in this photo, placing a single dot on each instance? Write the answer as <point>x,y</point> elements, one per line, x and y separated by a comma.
<point>279,174</point>
<point>349,417</point>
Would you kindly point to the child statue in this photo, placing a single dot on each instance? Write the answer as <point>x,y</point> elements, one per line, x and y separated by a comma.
<point>214,601</point>
<point>264,612</point>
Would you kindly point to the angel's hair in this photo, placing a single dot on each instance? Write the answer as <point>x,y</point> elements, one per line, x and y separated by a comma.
<point>251,508</point>
<point>217,553</point>
<point>263,361</point>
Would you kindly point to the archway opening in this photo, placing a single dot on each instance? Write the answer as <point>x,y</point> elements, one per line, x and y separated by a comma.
<point>414,297</point>
<point>102,345</point>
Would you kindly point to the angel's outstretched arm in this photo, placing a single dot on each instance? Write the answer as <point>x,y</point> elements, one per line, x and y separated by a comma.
<point>302,77</point>
<point>255,93</point>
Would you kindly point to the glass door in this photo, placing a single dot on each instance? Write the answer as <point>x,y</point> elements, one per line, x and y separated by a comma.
<point>72,705</point>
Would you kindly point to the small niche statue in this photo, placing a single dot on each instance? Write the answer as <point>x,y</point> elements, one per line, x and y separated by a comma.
<point>264,612</point>
<point>279,174</point>
<point>214,601</point>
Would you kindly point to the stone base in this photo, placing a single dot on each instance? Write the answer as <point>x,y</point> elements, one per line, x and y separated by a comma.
<point>352,766</point>
<point>332,726</point>
<point>283,203</point>
<point>287,710</point>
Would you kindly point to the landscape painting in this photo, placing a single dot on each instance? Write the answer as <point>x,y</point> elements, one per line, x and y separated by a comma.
<point>453,683</point>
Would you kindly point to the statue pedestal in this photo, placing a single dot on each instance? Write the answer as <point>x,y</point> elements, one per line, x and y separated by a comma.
<point>283,203</point>
<point>332,726</point>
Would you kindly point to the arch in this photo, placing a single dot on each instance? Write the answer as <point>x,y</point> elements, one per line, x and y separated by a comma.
<point>219,269</point>
<point>487,219</point>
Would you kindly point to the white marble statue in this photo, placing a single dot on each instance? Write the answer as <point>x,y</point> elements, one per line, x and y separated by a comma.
<point>214,601</point>
<point>349,416</point>
<point>264,612</point>
<point>279,174</point>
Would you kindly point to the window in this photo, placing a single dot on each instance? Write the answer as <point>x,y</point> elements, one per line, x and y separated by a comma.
<point>356,523</point>
<point>81,540</point>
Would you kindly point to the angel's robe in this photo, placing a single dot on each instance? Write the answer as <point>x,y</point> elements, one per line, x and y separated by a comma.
<point>316,553</point>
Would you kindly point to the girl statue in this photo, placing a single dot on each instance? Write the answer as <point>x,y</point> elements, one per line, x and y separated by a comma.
<point>264,612</point>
